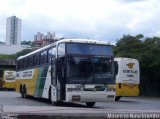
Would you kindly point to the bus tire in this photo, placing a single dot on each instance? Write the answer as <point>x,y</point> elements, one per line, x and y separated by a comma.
<point>49,95</point>
<point>24,92</point>
<point>90,104</point>
<point>117,98</point>
<point>21,91</point>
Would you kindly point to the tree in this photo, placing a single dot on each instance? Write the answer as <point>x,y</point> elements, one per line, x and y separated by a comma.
<point>128,46</point>
<point>23,52</point>
<point>26,43</point>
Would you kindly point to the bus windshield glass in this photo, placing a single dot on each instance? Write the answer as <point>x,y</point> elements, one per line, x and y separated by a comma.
<point>90,70</point>
<point>89,49</point>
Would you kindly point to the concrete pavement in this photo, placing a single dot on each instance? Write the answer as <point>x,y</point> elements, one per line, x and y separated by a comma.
<point>12,106</point>
<point>13,112</point>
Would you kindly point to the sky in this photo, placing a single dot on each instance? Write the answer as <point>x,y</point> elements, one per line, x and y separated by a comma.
<point>106,20</point>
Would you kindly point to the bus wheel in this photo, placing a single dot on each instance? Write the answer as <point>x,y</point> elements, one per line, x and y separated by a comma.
<point>21,91</point>
<point>49,95</point>
<point>24,92</point>
<point>90,104</point>
<point>117,98</point>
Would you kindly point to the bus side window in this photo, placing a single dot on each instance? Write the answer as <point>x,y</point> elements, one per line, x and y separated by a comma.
<point>36,59</point>
<point>51,54</point>
<point>43,58</point>
<point>22,63</point>
<point>25,62</point>
<point>29,61</point>
<point>17,66</point>
<point>61,50</point>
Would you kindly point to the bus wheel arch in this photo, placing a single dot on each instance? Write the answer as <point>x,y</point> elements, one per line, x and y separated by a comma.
<point>117,98</point>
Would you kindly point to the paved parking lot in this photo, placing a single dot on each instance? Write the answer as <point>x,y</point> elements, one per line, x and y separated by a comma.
<point>141,103</point>
<point>11,102</point>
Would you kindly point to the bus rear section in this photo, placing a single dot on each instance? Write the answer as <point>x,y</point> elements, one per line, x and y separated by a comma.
<point>8,79</point>
<point>127,78</point>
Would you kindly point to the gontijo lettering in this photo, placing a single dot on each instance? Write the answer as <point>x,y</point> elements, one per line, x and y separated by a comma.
<point>130,71</point>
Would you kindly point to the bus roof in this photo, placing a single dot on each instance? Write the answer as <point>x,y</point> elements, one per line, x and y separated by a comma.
<point>84,41</point>
<point>124,58</point>
<point>89,41</point>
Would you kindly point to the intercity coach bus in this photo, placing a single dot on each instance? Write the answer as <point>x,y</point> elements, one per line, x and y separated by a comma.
<point>127,78</point>
<point>7,79</point>
<point>70,70</point>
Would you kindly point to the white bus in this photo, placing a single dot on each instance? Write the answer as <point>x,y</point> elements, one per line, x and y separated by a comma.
<point>70,70</point>
<point>127,78</point>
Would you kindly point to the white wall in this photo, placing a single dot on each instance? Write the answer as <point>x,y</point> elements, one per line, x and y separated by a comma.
<point>12,49</point>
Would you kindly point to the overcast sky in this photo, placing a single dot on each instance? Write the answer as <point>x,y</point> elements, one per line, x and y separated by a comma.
<point>95,19</point>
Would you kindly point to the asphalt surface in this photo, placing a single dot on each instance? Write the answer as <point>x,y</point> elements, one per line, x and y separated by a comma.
<point>12,103</point>
<point>143,103</point>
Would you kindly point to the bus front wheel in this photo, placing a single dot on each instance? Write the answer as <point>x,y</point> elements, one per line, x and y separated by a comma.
<point>24,92</point>
<point>90,104</point>
<point>21,91</point>
<point>117,98</point>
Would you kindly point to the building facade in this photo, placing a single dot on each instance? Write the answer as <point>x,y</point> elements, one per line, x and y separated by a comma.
<point>13,31</point>
<point>40,36</point>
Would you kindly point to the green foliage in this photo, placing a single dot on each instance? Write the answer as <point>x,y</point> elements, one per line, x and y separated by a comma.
<point>23,52</point>
<point>151,54</point>
<point>15,56</point>
<point>128,46</point>
<point>7,56</point>
<point>26,43</point>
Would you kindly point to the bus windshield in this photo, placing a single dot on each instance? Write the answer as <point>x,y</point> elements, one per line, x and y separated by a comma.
<point>89,49</point>
<point>90,70</point>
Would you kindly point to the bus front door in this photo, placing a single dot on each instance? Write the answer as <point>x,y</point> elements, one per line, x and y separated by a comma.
<point>61,79</point>
<point>53,82</point>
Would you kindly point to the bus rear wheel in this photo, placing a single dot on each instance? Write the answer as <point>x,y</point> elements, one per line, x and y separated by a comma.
<point>23,91</point>
<point>90,104</point>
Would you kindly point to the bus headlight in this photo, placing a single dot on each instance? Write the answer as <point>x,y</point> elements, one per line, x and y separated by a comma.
<point>74,89</point>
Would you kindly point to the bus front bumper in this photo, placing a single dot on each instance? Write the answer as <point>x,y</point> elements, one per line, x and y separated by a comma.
<point>87,96</point>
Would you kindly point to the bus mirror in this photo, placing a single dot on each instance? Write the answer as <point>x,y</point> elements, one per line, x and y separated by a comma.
<point>115,67</point>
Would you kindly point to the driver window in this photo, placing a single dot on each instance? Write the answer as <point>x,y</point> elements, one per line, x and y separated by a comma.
<point>51,54</point>
<point>61,50</point>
